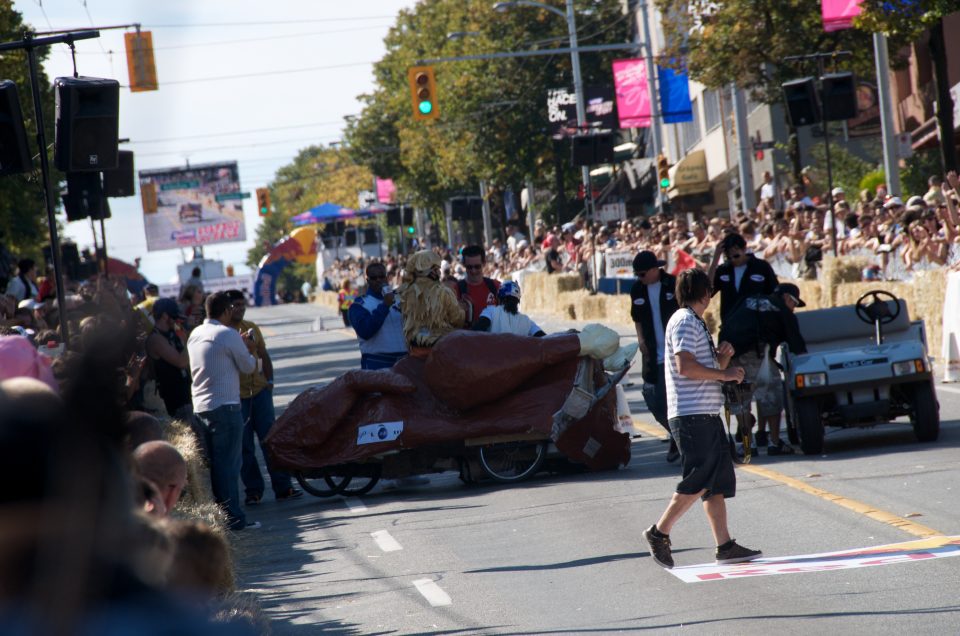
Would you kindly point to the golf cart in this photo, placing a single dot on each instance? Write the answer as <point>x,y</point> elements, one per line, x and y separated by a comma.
<point>865,364</point>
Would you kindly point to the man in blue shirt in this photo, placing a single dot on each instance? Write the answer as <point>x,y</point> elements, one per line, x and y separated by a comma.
<point>377,321</point>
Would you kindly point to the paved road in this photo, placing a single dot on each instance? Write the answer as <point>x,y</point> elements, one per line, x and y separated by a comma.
<point>562,554</point>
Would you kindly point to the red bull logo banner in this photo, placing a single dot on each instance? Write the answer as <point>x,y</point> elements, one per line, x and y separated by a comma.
<point>299,247</point>
<point>197,205</point>
<point>892,554</point>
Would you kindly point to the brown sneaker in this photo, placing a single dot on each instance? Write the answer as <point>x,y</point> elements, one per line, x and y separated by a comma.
<point>659,548</point>
<point>733,552</point>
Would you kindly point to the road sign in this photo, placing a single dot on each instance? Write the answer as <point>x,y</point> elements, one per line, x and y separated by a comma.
<point>232,196</point>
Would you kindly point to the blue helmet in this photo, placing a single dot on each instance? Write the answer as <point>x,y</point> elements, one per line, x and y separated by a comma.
<point>509,289</point>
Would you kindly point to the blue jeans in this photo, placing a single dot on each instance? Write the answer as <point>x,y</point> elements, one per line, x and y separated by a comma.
<point>223,430</point>
<point>258,417</point>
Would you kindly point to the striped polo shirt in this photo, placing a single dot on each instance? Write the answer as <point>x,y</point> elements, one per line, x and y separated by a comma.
<point>685,332</point>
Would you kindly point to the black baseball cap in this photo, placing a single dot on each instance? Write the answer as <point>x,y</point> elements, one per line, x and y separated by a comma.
<point>646,260</point>
<point>790,289</point>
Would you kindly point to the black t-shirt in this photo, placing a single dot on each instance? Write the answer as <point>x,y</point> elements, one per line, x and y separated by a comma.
<point>173,383</point>
<point>552,255</point>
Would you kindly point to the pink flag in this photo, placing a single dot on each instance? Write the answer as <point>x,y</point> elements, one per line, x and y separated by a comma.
<point>839,14</point>
<point>385,190</point>
<point>633,98</point>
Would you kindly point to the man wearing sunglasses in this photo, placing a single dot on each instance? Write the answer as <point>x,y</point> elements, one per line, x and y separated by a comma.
<point>479,291</point>
<point>741,275</point>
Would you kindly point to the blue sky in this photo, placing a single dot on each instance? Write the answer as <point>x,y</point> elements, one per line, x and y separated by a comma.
<point>230,74</point>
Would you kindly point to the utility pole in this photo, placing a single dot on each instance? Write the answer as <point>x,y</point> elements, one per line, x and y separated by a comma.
<point>891,167</point>
<point>743,149</point>
<point>531,210</point>
<point>487,227</point>
<point>654,102</point>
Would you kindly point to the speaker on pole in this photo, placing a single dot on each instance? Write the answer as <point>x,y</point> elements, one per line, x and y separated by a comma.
<point>14,152</point>
<point>603,148</point>
<point>801,99</point>
<point>459,209</point>
<point>838,96</point>
<point>581,150</point>
<point>393,217</point>
<point>119,182</point>
<point>84,197</point>
<point>87,130</point>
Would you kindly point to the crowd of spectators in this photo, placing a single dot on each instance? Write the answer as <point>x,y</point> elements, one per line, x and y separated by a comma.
<point>896,236</point>
<point>115,529</point>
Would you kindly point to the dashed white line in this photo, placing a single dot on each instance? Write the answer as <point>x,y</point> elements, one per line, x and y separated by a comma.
<point>948,389</point>
<point>355,505</point>
<point>432,592</point>
<point>386,542</point>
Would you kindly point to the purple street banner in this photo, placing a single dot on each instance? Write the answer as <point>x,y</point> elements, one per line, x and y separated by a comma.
<point>839,14</point>
<point>892,554</point>
<point>633,96</point>
<point>197,205</point>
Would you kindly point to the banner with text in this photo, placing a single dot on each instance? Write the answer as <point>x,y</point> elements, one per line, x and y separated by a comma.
<point>187,207</point>
<point>633,96</point>
<point>562,110</point>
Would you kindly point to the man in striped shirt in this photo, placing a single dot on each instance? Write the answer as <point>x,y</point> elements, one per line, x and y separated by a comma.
<point>218,355</point>
<point>694,371</point>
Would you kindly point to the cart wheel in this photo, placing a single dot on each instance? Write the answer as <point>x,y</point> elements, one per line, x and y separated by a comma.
<point>514,461</point>
<point>315,482</point>
<point>362,483</point>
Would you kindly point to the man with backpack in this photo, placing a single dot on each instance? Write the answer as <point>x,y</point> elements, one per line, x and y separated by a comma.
<point>476,290</point>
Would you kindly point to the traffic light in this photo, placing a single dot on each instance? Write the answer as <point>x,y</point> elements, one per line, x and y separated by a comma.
<point>411,230</point>
<point>263,201</point>
<point>663,172</point>
<point>423,92</point>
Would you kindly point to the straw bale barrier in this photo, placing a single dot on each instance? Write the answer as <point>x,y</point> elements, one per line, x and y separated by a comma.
<point>837,271</point>
<point>327,299</point>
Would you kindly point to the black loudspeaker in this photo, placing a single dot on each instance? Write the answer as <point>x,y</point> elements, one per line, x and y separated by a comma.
<point>581,150</point>
<point>14,152</point>
<point>603,148</point>
<point>84,197</point>
<point>393,217</point>
<point>87,130</point>
<point>838,96</point>
<point>407,215</point>
<point>801,100</point>
<point>119,182</point>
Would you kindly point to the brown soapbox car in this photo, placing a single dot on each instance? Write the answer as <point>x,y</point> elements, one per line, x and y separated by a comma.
<point>475,402</point>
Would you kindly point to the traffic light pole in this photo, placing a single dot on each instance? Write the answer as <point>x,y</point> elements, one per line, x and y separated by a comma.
<point>654,102</point>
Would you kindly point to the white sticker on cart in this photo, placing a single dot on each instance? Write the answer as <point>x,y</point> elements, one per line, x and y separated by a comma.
<point>374,433</point>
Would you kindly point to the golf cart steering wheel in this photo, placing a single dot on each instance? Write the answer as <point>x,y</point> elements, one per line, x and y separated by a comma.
<point>878,309</point>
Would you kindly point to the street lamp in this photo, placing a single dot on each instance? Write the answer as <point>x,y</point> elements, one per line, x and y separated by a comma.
<point>502,7</point>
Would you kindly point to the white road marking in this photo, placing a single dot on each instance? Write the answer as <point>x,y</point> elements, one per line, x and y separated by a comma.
<point>948,389</point>
<point>355,505</point>
<point>432,592</point>
<point>386,542</point>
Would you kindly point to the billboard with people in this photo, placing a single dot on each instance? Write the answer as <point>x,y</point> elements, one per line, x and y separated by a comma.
<point>191,206</point>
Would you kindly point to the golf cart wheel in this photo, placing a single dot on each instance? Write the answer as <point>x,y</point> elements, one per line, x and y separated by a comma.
<point>513,461</point>
<point>315,482</point>
<point>362,483</point>
<point>806,414</point>
<point>925,415</point>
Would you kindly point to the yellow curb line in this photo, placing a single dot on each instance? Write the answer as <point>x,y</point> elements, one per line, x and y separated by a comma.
<point>861,508</point>
<point>882,516</point>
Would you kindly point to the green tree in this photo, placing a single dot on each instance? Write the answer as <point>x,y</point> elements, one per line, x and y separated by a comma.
<point>493,120</point>
<point>23,219</point>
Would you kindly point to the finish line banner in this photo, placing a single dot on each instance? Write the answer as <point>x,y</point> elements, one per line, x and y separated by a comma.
<point>909,552</point>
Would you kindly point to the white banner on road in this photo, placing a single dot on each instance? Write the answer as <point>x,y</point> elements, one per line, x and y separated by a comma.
<point>619,264</point>
<point>908,552</point>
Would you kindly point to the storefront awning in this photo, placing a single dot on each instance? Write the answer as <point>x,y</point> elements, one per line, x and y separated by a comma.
<point>689,175</point>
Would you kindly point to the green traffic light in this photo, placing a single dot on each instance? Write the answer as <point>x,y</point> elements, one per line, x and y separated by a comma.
<point>664,183</point>
<point>411,230</point>
<point>426,107</point>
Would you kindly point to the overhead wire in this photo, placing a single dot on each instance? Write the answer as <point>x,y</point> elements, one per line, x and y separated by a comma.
<point>267,22</point>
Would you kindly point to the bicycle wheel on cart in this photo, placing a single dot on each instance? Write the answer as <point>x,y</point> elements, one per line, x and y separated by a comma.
<point>354,480</point>
<point>510,462</point>
<point>315,482</point>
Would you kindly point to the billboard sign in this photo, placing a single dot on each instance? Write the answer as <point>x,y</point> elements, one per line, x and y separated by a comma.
<point>562,110</point>
<point>187,207</point>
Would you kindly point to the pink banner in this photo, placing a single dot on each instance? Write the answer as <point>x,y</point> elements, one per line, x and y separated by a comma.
<point>633,98</point>
<point>839,14</point>
<point>385,190</point>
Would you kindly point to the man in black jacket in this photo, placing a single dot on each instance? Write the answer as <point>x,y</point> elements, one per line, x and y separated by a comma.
<point>653,301</point>
<point>742,274</point>
<point>756,327</point>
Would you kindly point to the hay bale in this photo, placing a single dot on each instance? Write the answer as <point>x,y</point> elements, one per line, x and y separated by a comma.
<point>567,282</point>
<point>327,299</point>
<point>929,289</point>
<point>811,291</point>
<point>836,271</point>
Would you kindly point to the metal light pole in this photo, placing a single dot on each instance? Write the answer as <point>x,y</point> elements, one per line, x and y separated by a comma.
<point>890,165</point>
<point>652,91</point>
<point>577,78</point>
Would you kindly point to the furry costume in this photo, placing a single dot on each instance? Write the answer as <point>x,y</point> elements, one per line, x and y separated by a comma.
<point>430,309</point>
